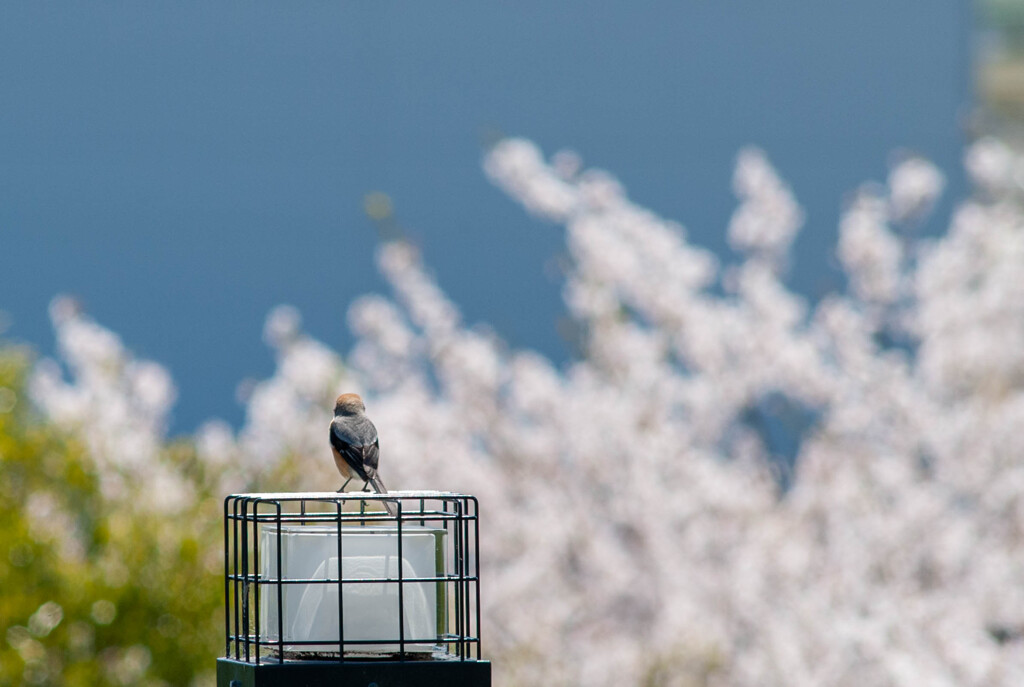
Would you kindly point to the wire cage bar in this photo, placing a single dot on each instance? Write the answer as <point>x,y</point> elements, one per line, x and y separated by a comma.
<point>336,577</point>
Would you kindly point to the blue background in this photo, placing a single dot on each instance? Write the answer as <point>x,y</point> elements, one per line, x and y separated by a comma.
<point>183,167</point>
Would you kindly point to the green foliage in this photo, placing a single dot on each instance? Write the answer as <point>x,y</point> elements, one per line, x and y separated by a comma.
<point>98,589</point>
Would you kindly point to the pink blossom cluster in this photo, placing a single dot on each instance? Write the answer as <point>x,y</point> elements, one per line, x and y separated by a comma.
<point>634,526</point>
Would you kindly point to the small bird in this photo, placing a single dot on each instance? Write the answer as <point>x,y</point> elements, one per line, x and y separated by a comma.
<point>356,446</point>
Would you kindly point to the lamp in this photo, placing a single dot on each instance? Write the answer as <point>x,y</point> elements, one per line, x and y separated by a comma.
<point>324,587</point>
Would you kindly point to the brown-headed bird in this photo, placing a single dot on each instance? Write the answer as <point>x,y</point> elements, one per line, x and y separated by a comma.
<point>355,445</point>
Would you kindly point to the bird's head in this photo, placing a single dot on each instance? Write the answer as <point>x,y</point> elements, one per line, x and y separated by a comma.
<point>349,404</point>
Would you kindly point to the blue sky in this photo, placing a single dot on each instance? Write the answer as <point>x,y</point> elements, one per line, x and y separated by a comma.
<point>184,167</point>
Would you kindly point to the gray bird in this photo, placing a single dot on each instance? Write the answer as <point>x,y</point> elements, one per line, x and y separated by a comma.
<point>356,446</point>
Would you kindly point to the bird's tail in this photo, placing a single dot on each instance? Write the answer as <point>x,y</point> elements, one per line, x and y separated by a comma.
<point>378,486</point>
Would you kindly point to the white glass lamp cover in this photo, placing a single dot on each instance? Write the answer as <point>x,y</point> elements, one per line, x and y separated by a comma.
<point>371,610</point>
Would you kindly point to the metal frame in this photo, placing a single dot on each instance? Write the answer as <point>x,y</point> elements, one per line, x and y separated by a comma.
<point>246,643</point>
<point>232,673</point>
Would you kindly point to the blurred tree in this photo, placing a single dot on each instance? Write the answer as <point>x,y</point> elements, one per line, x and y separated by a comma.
<point>98,590</point>
<point>1001,62</point>
<point>638,536</point>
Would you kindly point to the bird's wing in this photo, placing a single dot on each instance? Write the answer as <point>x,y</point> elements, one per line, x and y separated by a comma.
<point>371,456</point>
<point>353,432</point>
<point>351,446</point>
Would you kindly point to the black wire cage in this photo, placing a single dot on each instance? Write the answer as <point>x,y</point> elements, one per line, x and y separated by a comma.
<point>352,588</point>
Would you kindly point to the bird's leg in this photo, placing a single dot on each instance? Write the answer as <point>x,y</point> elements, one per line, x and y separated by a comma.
<point>344,485</point>
<point>366,488</point>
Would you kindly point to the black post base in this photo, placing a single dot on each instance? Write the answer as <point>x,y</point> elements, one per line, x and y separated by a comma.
<point>232,673</point>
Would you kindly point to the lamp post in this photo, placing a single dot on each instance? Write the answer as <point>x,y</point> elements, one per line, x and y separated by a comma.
<point>331,589</point>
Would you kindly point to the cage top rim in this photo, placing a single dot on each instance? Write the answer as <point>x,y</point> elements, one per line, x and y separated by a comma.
<point>347,496</point>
